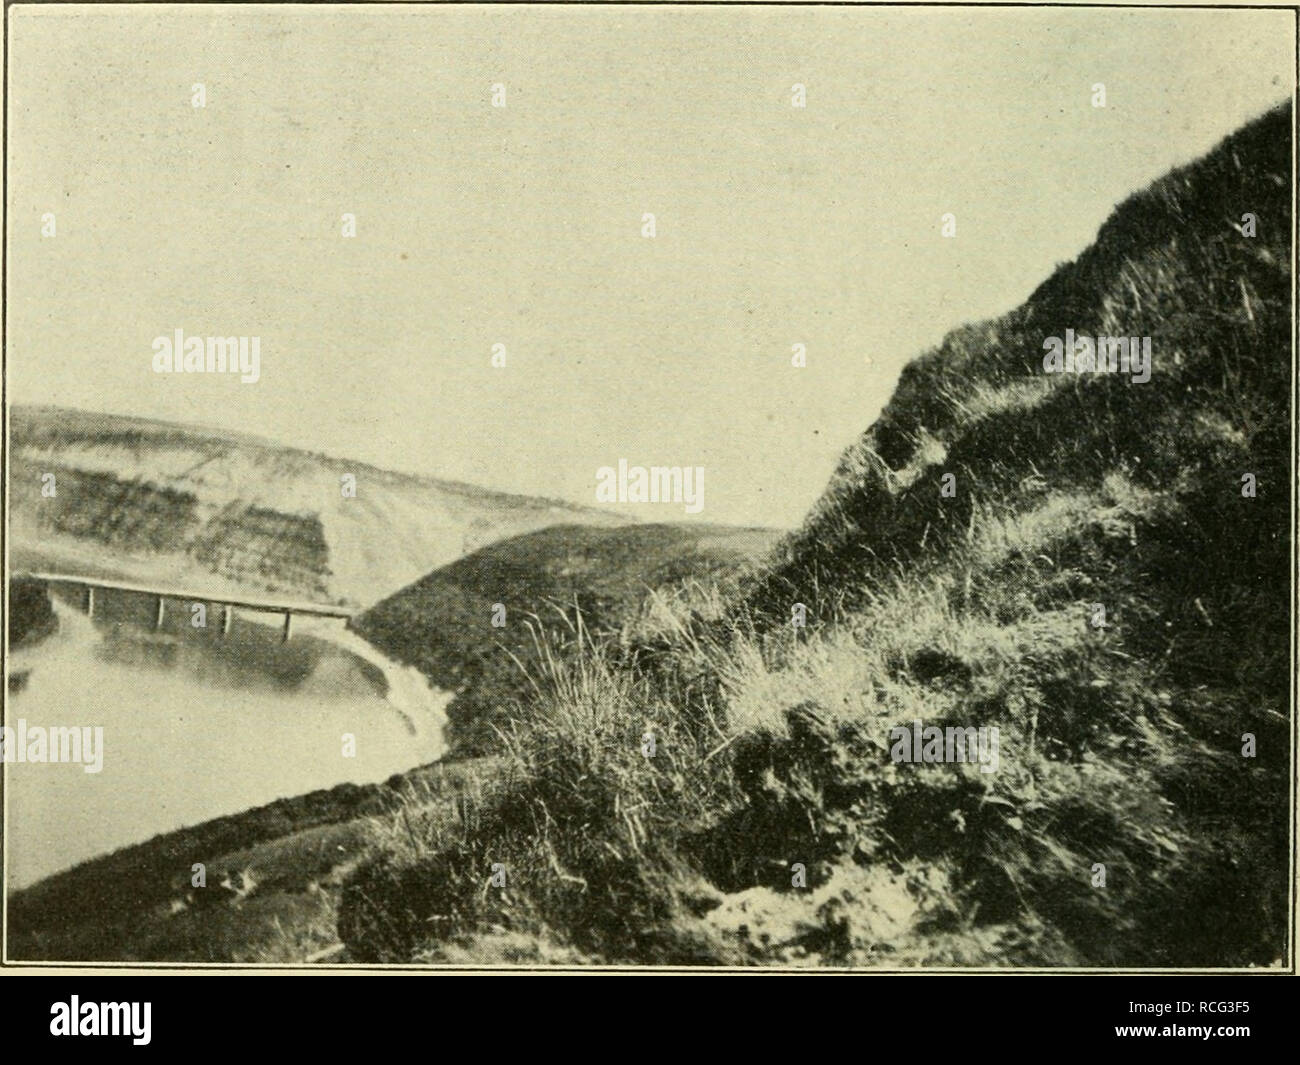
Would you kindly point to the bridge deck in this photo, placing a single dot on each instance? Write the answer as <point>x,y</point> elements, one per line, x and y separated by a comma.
<point>267,605</point>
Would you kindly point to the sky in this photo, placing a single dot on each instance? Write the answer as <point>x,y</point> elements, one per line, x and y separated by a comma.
<point>523,225</point>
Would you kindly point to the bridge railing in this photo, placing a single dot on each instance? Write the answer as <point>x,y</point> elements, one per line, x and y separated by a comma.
<point>267,606</point>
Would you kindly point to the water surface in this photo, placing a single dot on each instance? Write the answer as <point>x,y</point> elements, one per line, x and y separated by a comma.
<point>197,725</point>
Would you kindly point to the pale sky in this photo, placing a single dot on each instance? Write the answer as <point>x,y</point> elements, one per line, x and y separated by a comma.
<point>478,225</point>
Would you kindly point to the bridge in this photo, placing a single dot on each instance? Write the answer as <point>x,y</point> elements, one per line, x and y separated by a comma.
<point>227,603</point>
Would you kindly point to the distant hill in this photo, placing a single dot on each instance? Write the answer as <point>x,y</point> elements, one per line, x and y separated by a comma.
<point>443,623</point>
<point>136,498</point>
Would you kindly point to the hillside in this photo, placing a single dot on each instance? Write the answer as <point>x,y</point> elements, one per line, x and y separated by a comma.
<point>1080,562</point>
<point>290,859</point>
<point>1171,263</point>
<point>274,878</point>
<point>1094,565</point>
<point>196,507</point>
<point>443,623</point>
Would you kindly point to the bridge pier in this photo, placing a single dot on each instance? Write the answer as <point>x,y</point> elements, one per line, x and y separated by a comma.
<point>288,626</point>
<point>90,600</point>
<point>228,613</point>
<point>158,618</point>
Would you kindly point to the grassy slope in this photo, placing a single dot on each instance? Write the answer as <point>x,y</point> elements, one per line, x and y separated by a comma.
<point>1126,741</point>
<point>138,903</point>
<point>443,626</point>
<point>1121,745</point>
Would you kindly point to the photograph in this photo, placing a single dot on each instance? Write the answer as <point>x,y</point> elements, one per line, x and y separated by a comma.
<point>649,488</point>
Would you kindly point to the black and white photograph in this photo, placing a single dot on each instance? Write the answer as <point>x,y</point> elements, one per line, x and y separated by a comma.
<point>649,487</point>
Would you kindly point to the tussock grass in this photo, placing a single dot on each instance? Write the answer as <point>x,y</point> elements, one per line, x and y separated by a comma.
<point>584,823</point>
<point>1121,735</point>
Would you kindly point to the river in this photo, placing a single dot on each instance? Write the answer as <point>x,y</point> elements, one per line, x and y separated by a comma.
<point>198,725</point>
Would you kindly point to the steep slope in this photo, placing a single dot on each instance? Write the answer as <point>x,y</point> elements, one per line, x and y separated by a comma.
<point>144,499</point>
<point>444,625</point>
<point>1173,264</point>
<point>1095,566</point>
